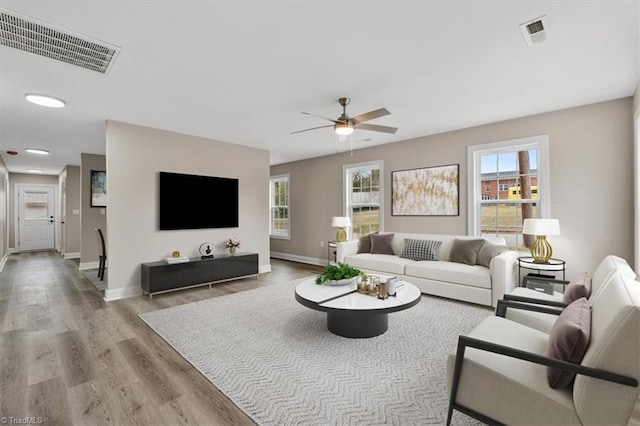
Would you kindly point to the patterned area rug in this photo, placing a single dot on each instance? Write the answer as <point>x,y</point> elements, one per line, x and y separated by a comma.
<point>276,360</point>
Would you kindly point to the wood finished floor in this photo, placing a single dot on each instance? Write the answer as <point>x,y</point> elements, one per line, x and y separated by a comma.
<point>71,358</point>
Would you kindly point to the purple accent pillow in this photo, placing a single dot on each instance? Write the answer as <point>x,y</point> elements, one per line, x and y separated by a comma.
<point>569,340</point>
<point>364,246</point>
<point>381,244</point>
<point>578,287</point>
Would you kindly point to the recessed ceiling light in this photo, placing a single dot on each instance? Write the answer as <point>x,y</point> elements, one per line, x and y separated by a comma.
<point>45,100</point>
<point>35,171</point>
<point>37,151</point>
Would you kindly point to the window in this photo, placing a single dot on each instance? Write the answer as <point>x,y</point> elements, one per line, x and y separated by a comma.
<point>279,206</point>
<point>520,170</point>
<point>363,197</point>
<point>487,188</point>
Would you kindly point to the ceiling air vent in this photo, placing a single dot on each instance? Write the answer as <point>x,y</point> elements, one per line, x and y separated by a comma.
<point>29,35</point>
<point>535,31</point>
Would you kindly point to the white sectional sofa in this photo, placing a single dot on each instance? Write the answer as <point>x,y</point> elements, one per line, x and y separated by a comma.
<point>469,283</point>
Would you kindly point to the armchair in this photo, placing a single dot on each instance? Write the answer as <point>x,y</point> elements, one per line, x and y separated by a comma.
<point>498,374</point>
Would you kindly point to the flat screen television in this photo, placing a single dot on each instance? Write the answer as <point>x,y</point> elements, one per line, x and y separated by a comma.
<point>197,202</point>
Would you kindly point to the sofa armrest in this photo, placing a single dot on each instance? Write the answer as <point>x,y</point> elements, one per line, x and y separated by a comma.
<point>346,248</point>
<point>503,275</point>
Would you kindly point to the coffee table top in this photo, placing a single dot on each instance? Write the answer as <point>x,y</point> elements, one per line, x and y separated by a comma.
<point>331,298</point>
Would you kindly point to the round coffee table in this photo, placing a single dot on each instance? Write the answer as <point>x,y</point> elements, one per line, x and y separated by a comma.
<point>352,314</point>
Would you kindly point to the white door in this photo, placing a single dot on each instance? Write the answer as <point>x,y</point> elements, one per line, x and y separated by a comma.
<point>36,221</point>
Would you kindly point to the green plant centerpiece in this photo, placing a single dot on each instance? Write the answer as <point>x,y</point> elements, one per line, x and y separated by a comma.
<point>339,272</point>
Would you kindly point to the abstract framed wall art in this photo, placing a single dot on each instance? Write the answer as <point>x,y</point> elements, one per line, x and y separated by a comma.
<point>429,191</point>
<point>98,188</point>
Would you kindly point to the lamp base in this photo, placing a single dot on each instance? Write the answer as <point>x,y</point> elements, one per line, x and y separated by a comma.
<point>541,249</point>
<point>341,235</point>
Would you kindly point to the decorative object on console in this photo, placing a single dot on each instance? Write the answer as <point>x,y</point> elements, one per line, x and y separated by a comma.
<point>430,191</point>
<point>341,222</point>
<point>175,253</point>
<point>340,274</point>
<point>206,250</point>
<point>232,244</point>
<point>541,249</point>
<point>176,259</point>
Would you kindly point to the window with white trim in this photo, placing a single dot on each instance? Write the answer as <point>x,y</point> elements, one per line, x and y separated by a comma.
<point>279,224</point>
<point>520,169</point>
<point>363,195</point>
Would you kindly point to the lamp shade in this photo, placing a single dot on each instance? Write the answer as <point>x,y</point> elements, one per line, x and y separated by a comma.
<point>541,227</point>
<point>340,221</point>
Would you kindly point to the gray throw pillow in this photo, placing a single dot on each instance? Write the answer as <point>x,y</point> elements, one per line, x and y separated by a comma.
<point>578,287</point>
<point>568,341</point>
<point>420,249</point>
<point>364,246</point>
<point>381,244</point>
<point>465,251</point>
<point>488,251</point>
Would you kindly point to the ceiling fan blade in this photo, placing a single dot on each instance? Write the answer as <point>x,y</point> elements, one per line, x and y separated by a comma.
<point>371,115</point>
<point>377,128</point>
<point>321,116</point>
<point>313,128</point>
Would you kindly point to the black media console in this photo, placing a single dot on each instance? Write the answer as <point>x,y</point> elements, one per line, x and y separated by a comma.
<point>161,277</point>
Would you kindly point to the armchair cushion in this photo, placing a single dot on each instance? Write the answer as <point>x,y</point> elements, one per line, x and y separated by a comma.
<point>569,340</point>
<point>578,287</point>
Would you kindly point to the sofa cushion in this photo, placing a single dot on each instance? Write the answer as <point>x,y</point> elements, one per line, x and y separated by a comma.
<point>381,244</point>
<point>578,287</point>
<point>465,251</point>
<point>364,243</point>
<point>378,262</point>
<point>420,249</point>
<point>568,340</point>
<point>488,251</point>
<point>457,273</point>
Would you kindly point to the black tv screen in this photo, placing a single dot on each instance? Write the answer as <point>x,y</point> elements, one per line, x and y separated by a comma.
<point>197,202</point>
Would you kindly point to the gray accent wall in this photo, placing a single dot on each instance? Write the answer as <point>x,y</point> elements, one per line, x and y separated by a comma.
<point>90,217</point>
<point>70,176</point>
<point>135,156</point>
<point>591,156</point>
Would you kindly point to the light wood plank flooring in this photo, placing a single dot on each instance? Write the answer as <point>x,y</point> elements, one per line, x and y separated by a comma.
<point>70,358</point>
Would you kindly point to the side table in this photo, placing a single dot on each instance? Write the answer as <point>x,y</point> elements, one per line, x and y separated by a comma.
<point>332,247</point>
<point>553,265</point>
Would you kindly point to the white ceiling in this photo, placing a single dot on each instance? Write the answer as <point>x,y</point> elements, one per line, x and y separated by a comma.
<point>242,72</point>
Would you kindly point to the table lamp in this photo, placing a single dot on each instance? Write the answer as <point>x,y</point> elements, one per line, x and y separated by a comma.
<point>341,222</point>
<point>541,249</point>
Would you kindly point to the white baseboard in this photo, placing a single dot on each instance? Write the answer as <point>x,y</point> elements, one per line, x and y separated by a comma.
<point>262,269</point>
<point>121,293</point>
<point>3,261</point>
<point>71,255</point>
<point>301,259</point>
<point>12,250</point>
<point>88,265</point>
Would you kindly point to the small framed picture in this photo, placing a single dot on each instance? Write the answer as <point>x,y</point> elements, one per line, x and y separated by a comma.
<point>98,188</point>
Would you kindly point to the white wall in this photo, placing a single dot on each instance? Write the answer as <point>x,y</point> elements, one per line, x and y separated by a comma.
<point>135,156</point>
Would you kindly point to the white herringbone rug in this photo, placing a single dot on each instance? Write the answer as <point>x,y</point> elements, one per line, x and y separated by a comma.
<point>276,360</point>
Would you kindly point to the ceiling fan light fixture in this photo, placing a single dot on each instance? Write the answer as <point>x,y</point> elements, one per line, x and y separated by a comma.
<point>45,100</point>
<point>344,129</point>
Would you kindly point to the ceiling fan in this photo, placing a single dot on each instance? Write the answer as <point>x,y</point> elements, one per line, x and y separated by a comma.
<point>345,125</point>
